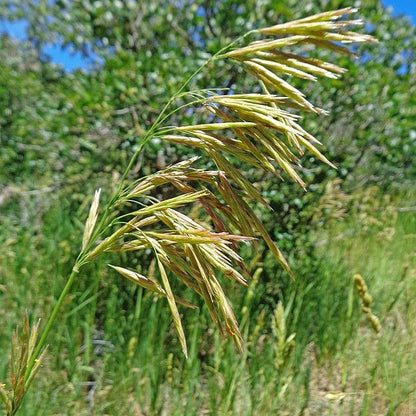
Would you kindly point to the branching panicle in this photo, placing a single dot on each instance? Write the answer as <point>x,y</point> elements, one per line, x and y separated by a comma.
<point>256,129</point>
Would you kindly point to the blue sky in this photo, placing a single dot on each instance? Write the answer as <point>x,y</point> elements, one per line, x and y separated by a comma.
<point>72,61</point>
<point>403,7</point>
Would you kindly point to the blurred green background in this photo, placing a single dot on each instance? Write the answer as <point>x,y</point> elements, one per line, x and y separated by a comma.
<point>114,352</point>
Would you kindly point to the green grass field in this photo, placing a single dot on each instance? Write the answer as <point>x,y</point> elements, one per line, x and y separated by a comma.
<point>113,350</point>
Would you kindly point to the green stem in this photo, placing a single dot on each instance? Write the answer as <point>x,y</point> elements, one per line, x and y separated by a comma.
<point>50,322</point>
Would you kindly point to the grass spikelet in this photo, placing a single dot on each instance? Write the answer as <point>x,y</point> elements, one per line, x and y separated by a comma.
<point>308,65</point>
<point>173,308</point>
<point>366,301</point>
<point>285,69</point>
<point>216,126</point>
<point>139,279</point>
<point>174,202</point>
<point>280,85</point>
<point>319,17</point>
<point>264,45</point>
<point>148,284</point>
<point>91,220</point>
<point>374,322</point>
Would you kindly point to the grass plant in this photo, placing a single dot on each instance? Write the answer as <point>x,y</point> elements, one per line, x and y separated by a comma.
<point>194,235</point>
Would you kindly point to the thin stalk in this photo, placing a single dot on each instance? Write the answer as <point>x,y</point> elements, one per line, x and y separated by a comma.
<point>89,324</point>
<point>50,321</point>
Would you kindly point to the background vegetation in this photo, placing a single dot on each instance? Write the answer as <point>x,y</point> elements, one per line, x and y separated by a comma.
<point>114,351</point>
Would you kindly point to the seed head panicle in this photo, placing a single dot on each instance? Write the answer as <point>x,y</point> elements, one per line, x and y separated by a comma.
<point>195,232</point>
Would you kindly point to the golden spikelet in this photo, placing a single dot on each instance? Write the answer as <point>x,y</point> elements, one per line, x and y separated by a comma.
<point>366,300</point>
<point>91,220</point>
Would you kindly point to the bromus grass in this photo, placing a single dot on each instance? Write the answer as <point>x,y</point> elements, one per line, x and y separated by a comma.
<point>195,234</point>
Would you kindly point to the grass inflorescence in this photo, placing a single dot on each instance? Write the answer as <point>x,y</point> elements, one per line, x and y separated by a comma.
<point>194,235</point>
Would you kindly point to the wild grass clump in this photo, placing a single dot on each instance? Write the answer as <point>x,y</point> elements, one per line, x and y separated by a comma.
<point>194,234</point>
